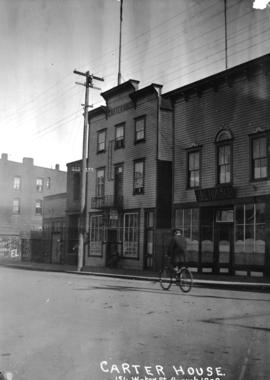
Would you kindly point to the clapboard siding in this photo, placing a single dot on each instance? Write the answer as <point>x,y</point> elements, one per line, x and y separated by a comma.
<point>146,106</point>
<point>241,106</point>
<point>165,136</point>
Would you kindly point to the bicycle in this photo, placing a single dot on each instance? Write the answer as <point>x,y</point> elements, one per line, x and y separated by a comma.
<point>183,278</point>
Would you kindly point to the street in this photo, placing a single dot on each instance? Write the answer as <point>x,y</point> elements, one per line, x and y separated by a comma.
<point>69,326</point>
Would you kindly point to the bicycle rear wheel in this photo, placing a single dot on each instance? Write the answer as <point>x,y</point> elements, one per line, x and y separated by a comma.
<point>165,278</point>
<point>185,280</point>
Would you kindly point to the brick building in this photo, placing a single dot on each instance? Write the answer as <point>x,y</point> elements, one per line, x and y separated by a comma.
<point>22,188</point>
<point>129,177</point>
<point>221,166</point>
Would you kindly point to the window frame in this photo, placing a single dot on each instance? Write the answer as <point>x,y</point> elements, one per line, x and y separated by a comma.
<point>139,190</point>
<point>99,133</point>
<point>19,185</point>
<point>252,137</point>
<point>98,193</point>
<point>40,188</point>
<point>221,143</point>
<point>48,183</point>
<point>119,143</point>
<point>188,171</point>
<point>36,208</point>
<point>142,139</point>
<point>16,211</point>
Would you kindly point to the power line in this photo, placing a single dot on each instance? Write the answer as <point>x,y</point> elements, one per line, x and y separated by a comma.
<point>43,106</point>
<point>130,42</point>
<point>180,68</point>
<point>184,42</point>
<point>42,93</point>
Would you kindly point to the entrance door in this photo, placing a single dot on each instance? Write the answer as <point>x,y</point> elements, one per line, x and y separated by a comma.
<point>149,239</point>
<point>118,184</point>
<point>111,248</point>
<point>223,241</point>
<point>56,248</point>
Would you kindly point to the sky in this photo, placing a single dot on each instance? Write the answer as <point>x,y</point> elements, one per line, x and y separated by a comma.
<point>170,42</point>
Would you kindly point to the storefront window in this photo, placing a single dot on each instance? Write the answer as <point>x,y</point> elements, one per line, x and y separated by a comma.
<point>188,221</point>
<point>250,234</point>
<point>96,235</point>
<point>130,236</point>
<point>207,235</point>
<point>224,216</point>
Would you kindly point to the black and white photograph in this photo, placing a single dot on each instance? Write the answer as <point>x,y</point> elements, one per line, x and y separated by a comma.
<point>135,189</point>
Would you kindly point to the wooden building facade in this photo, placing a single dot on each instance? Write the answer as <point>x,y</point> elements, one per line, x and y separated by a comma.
<point>129,177</point>
<point>221,169</point>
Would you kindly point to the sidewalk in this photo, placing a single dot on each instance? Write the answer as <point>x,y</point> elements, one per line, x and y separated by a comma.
<point>202,280</point>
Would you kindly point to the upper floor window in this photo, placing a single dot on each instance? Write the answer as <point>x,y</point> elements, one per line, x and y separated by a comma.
<point>39,184</point>
<point>119,136</point>
<point>38,207</point>
<point>16,206</point>
<point>193,169</point>
<point>17,183</point>
<point>100,182</point>
<point>48,183</point>
<point>101,141</point>
<point>259,156</point>
<point>139,169</point>
<point>224,157</point>
<point>140,129</point>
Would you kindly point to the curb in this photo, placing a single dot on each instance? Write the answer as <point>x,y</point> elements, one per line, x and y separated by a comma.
<point>229,285</point>
<point>244,286</point>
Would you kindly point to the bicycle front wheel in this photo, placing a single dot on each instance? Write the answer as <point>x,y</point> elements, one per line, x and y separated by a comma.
<point>165,278</point>
<point>185,280</point>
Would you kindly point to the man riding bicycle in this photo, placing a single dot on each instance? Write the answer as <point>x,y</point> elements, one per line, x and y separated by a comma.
<point>177,249</point>
<point>175,264</point>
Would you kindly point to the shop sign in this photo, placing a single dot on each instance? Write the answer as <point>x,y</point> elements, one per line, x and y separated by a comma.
<point>215,193</point>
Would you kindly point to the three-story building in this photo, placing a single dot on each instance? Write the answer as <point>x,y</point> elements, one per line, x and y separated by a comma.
<point>129,177</point>
<point>23,186</point>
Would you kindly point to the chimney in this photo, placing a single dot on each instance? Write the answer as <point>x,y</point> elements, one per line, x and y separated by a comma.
<point>28,161</point>
<point>57,167</point>
<point>4,156</point>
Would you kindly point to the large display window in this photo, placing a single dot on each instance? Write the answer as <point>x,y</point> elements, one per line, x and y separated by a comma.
<point>188,221</point>
<point>249,243</point>
<point>131,235</point>
<point>96,235</point>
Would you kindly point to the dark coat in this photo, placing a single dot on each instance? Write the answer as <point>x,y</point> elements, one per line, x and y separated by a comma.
<point>177,249</point>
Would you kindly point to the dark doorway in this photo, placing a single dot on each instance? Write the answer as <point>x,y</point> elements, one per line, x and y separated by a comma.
<point>56,248</point>
<point>223,241</point>
<point>112,253</point>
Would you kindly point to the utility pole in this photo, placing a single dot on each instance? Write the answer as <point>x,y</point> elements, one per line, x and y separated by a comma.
<point>82,223</point>
<point>120,43</point>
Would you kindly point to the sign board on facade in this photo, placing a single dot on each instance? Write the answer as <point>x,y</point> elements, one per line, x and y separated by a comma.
<point>215,193</point>
<point>121,108</point>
